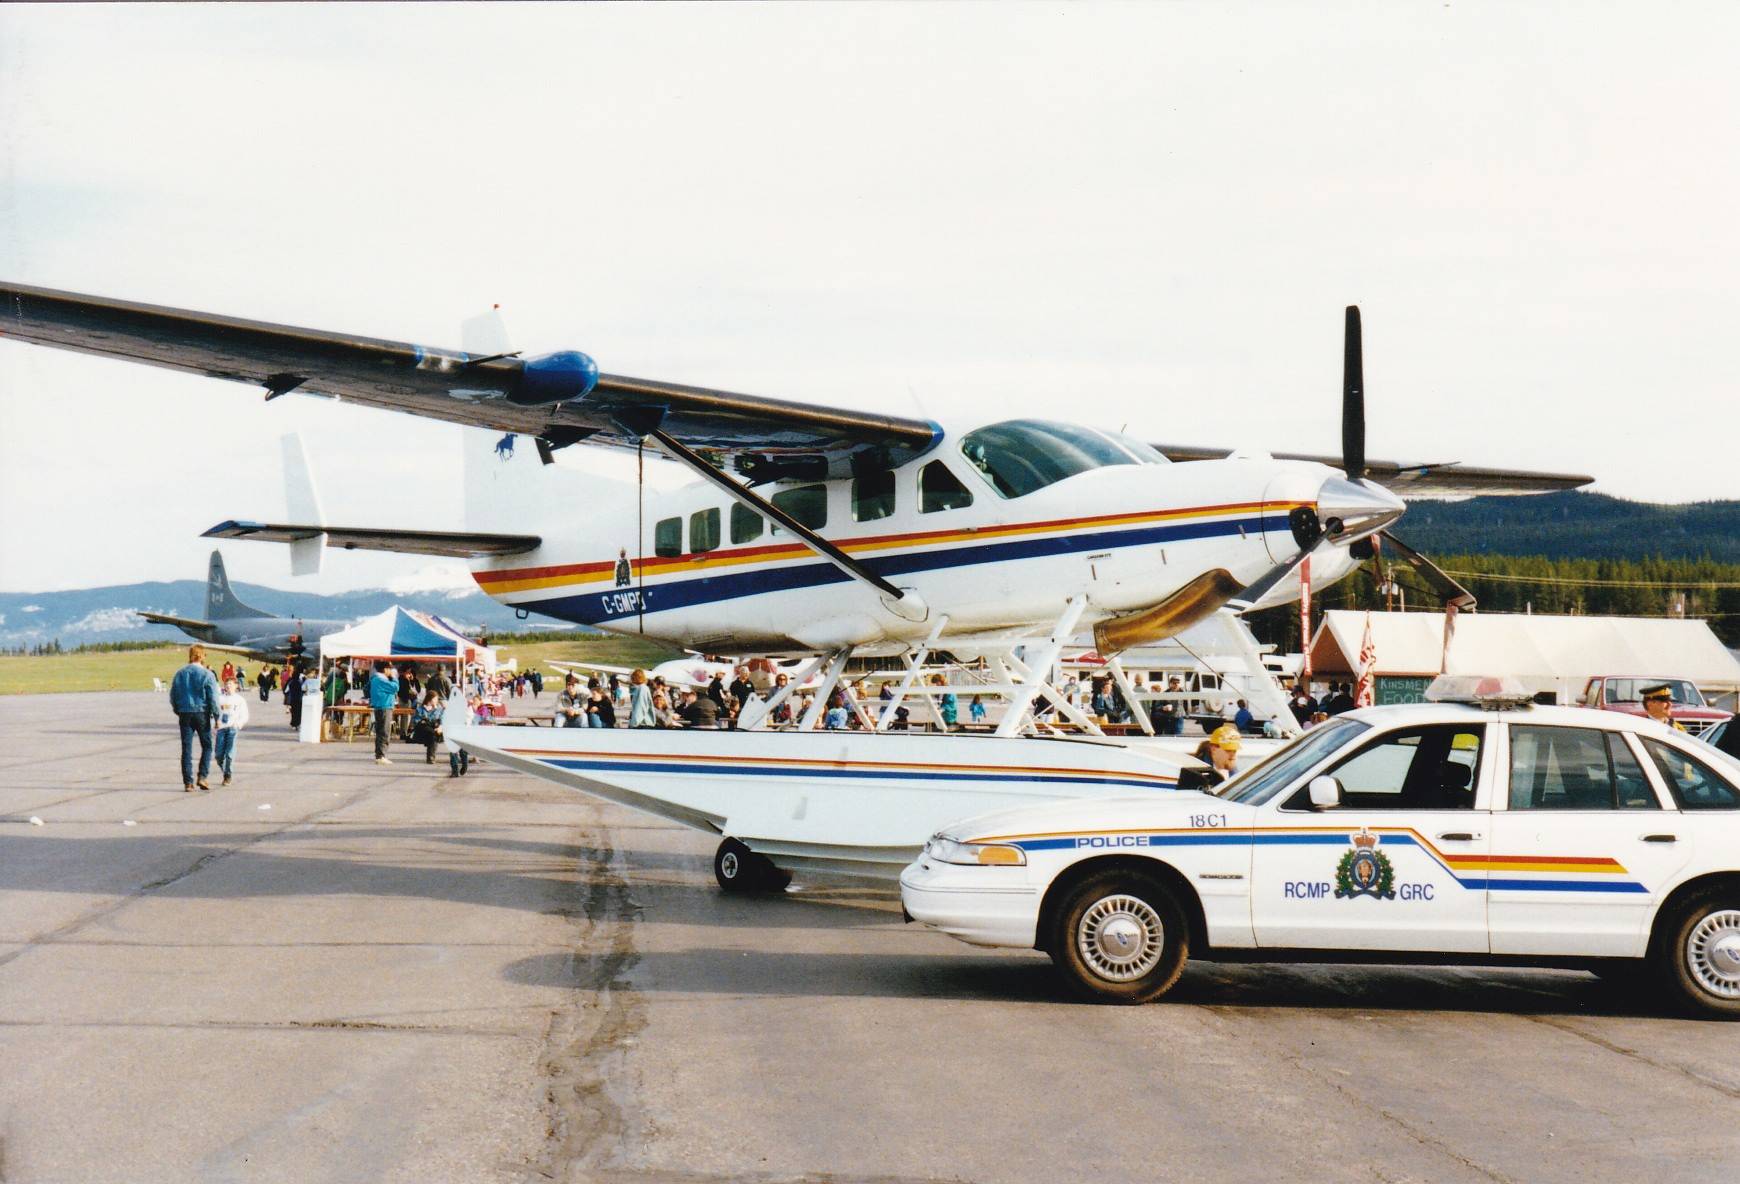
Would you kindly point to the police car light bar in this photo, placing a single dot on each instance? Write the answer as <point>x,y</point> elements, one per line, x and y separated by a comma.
<point>1495,693</point>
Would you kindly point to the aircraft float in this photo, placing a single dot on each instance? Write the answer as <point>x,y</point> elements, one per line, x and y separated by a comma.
<point>817,532</point>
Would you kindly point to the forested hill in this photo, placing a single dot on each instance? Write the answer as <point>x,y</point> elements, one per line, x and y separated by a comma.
<point>1574,526</point>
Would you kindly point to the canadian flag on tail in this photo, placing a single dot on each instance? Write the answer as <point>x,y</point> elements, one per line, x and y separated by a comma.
<point>1365,687</point>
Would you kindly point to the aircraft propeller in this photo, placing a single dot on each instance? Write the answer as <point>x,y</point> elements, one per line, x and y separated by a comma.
<point>1344,506</point>
<point>1353,463</point>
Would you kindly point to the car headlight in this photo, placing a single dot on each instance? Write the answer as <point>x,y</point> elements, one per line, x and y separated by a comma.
<point>947,850</point>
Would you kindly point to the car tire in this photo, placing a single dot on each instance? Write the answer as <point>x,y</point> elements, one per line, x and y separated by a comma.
<point>1120,937</point>
<point>1700,955</point>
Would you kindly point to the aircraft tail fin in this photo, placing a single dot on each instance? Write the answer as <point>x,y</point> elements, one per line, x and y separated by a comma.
<point>303,502</point>
<point>220,602</point>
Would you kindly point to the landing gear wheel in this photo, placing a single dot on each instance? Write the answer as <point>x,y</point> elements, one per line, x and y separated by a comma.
<point>738,869</point>
<point>1701,956</point>
<point>1120,937</point>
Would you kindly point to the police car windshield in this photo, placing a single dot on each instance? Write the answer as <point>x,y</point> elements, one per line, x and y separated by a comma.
<point>1020,456</point>
<point>1285,766</point>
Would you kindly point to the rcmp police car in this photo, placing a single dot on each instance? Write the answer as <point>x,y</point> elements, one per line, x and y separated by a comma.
<point>1473,828</point>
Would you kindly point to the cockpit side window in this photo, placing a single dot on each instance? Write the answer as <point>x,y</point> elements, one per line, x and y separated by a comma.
<point>1021,456</point>
<point>940,489</point>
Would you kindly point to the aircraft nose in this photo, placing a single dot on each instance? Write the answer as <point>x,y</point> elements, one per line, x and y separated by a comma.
<point>1359,507</point>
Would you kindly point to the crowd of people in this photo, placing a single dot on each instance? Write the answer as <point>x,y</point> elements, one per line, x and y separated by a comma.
<point>417,701</point>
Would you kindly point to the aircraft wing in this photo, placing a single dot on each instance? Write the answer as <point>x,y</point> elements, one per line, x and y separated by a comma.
<point>1451,479</point>
<point>558,398</point>
<point>178,622</point>
<point>455,544</point>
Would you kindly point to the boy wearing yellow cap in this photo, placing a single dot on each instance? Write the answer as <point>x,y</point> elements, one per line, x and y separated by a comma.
<point>1220,752</point>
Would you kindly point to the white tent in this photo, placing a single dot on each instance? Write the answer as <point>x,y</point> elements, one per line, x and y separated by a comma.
<point>402,634</point>
<point>1558,654</point>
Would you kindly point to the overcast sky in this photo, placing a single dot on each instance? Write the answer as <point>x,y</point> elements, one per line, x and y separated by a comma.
<point>1142,215</point>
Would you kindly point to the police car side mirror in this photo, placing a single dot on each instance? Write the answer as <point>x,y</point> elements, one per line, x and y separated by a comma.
<point>1325,793</point>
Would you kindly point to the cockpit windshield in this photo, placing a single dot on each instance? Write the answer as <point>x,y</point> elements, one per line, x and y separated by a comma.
<point>1020,456</point>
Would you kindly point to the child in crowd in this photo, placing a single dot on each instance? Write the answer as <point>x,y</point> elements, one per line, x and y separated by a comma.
<point>426,725</point>
<point>232,717</point>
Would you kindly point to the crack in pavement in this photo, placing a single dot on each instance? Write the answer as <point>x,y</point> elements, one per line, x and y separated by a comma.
<point>1422,1138</point>
<point>586,1045</point>
<point>1692,1075</point>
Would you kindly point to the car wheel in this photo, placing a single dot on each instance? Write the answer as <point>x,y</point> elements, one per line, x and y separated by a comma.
<point>1702,956</point>
<point>1120,937</point>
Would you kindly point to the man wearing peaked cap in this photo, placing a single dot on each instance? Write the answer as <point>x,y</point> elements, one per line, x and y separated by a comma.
<point>1658,702</point>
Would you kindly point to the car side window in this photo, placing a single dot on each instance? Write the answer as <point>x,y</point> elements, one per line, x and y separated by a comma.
<point>940,489</point>
<point>1575,769</point>
<point>668,537</point>
<point>1695,785</point>
<point>746,524</point>
<point>1426,768</point>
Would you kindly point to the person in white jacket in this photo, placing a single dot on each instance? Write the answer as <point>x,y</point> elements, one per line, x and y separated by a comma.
<point>232,717</point>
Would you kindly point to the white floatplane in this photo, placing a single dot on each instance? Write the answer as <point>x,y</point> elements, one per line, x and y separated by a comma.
<point>815,531</point>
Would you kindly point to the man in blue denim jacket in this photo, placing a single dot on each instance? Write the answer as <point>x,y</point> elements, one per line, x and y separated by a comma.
<point>193,695</point>
<point>383,695</point>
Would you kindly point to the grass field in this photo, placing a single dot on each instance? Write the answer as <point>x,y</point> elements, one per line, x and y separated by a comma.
<point>133,670</point>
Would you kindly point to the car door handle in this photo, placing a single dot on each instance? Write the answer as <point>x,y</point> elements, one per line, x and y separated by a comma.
<point>1458,836</point>
<point>1660,838</point>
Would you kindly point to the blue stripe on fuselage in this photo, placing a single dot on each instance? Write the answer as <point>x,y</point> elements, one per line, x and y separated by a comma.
<point>591,608</point>
<point>691,768</point>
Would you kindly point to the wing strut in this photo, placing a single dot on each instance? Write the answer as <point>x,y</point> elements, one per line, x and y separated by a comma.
<point>900,601</point>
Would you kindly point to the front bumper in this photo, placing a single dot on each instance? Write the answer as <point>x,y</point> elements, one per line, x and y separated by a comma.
<point>982,906</point>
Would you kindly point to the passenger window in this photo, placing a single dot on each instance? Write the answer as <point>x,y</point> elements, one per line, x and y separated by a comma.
<point>668,537</point>
<point>704,530</point>
<point>807,503</point>
<point>940,489</point>
<point>873,496</point>
<point>1695,785</point>
<point>746,524</point>
<point>1575,769</point>
<point>1426,768</point>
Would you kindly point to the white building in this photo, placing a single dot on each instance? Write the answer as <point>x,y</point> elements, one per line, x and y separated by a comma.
<point>1557,654</point>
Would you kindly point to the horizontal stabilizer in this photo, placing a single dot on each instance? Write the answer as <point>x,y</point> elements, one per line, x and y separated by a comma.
<point>454,544</point>
<point>178,622</point>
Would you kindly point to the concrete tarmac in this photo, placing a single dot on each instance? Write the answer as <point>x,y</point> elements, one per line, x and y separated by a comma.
<point>394,975</point>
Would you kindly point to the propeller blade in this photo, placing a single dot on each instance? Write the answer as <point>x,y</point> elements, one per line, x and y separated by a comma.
<point>1353,399</point>
<point>1439,580</point>
<point>1251,594</point>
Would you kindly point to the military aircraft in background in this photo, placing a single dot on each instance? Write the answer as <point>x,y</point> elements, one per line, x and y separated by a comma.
<point>233,626</point>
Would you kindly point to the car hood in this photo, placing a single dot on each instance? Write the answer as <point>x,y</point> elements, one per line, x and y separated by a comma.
<point>1120,812</point>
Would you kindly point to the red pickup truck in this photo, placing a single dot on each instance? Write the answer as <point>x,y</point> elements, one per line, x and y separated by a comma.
<point>1625,693</point>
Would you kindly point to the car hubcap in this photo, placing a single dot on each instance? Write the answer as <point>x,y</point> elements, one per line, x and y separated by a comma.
<point>728,865</point>
<point>1121,937</point>
<point>1713,953</point>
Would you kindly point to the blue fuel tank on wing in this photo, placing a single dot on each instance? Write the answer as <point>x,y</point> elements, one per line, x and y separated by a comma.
<point>555,378</point>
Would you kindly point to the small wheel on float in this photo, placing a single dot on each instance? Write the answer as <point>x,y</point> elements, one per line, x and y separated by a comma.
<point>1700,955</point>
<point>1120,937</point>
<point>736,867</point>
